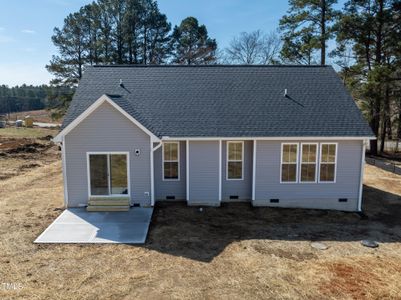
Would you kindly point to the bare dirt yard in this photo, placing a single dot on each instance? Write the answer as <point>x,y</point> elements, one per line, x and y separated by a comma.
<point>22,149</point>
<point>232,252</point>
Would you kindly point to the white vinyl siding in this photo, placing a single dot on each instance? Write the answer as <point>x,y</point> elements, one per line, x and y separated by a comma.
<point>308,195</point>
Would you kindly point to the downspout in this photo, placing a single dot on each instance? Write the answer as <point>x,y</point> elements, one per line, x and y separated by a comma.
<point>152,179</point>
<point>64,165</point>
<point>361,176</point>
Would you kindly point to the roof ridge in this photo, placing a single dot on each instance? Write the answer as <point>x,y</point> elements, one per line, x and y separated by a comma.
<point>209,66</point>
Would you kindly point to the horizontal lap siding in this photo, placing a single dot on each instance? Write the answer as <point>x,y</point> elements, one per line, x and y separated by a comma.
<point>240,188</point>
<point>310,195</point>
<point>165,188</point>
<point>106,129</point>
<point>204,172</point>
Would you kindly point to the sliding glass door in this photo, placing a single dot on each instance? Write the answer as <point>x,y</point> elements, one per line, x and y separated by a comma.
<point>108,174</point>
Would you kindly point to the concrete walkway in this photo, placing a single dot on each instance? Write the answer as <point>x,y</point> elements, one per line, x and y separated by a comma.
<point>76,225</point>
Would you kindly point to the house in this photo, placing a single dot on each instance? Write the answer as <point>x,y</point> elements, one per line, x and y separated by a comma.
<point>285,136</point>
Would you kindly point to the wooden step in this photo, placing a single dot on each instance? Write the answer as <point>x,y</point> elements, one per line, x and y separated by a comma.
<point>107,208</point>
<point>109,202</point>
<point>108,198</point>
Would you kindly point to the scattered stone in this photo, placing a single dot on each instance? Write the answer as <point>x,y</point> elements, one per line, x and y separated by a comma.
<point>369,243</point>
<point>319,246</point>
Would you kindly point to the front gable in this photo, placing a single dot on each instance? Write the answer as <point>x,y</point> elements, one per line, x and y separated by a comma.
<point>103,100</point>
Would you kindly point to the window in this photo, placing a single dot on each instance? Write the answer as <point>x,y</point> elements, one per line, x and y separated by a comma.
<point>289,162</point>
<point>108,174</point>
<point>308,162</point>
<point>328,160</point>
<point>235,158</point>
<point>171,158</point>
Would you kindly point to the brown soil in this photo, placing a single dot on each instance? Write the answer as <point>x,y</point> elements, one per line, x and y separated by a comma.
<point>231,252</point>
<point>18,155</point>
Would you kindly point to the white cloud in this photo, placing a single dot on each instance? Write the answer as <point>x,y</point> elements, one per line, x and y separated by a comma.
<point>28,31</point>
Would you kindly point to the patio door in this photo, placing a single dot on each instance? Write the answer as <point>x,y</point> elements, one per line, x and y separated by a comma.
<point>108,174</point>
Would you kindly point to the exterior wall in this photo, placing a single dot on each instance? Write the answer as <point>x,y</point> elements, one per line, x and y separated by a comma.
<point>106,129</point>
<point>308,195</point>
<point>240,188</point>
<point>204,173</point>
<point>165,188</point>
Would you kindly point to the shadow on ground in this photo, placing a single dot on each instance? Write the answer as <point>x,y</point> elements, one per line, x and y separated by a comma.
<point>180,230</point>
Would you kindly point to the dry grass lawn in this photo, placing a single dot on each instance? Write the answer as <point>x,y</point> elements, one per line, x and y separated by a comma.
<point>42,115</point>
<point>232,252</point>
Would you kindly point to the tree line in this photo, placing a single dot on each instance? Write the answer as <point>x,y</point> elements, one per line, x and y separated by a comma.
<point>29,97</point>
<point>361,38</point>
<point>21,98</point>
<point>126,32</point>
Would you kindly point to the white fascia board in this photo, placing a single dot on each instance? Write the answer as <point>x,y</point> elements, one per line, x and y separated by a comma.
<point>92,108</point>
<point>283,138</point>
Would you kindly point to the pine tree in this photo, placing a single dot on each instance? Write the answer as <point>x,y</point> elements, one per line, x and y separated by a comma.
<point>371,29</point>
<point>191,44</point>
<point>306,28</point>
<point>71,45</point>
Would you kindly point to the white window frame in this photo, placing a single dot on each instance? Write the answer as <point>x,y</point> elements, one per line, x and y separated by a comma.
<point>317,166</point>
<point>335,162</point>
<point>241,161</point>
<point>177,161</point>
<point>296,164</point>
<point>88,154</point>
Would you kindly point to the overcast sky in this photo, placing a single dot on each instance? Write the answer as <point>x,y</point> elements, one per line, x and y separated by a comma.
<point>26,27</point>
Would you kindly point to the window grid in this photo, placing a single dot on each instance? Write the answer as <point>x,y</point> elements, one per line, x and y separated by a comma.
<point>171,160</point>
<point>326,156</point>
<point>308,162</point>
<point>288,161</point>
<point>235,160</point>
<point>328,162</point>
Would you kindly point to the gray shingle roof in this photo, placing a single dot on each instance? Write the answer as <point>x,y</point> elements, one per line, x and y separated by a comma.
<point>227,101</point>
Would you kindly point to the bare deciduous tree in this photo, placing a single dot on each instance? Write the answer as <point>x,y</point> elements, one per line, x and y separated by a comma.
<point>254,47</point>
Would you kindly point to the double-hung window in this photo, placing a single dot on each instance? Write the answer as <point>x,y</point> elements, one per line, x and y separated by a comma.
<point>308,162</point>
<point>171,161</point>
<point>235,159</point>
<point>289,163</point>
<point>328,160</point>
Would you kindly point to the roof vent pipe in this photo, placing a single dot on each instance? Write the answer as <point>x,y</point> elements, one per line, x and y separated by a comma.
<point>285,93</point>
<point>121,83</point>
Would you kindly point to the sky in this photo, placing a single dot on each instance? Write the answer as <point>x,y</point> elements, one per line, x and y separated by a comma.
<point>26,27</point>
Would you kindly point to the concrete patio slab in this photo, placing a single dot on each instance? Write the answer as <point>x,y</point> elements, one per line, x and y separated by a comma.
<point>76,225</point>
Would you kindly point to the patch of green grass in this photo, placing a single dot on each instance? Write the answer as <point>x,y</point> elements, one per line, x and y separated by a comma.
<point>23,132</point>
